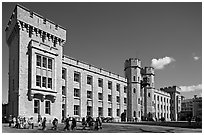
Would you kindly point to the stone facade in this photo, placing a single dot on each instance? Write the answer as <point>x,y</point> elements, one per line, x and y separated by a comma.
<point>191,108</point>
<point>44,81</point>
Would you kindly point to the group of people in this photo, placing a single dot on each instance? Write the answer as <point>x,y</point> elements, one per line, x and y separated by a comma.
<point>89,122</point>
<point>70,123</point>
<point>21,122</point>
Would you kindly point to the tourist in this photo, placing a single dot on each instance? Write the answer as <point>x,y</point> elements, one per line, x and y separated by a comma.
<point>10,120</point>
<point>67,123</point>
<point>39,121</point>
<point>73,123</point>
<point>30,123</point>
<point>83,123</point>
<point>96,124</point>
<point>55,123</point>
<point>44,124</point>
<point>100,122</point>
<point>14,121</point>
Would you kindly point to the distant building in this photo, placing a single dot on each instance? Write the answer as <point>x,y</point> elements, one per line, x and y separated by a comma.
<point>191,107</point>
<point>42,80</point>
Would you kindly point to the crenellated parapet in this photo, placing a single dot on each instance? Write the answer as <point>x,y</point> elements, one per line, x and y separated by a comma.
<point>171,89</point>
<point>148,71</point>
<point>36,26</point>
<point>132,62</point>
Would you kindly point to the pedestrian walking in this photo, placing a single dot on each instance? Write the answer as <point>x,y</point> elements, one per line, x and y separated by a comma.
<point>30,123</point>
<point>100,122</point>
<point>39,121</point>
<point>44,124</point>
<point>96,124</point>
<point>73,123</point>
<point>10,120</point>
<point>83,123</point>
<point>14,121</point>
<point>55,123</point>
<point>18,123</point>
<point>67,125</point>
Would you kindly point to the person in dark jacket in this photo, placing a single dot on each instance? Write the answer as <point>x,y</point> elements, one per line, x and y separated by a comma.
<point>44,124</point>
<point>67,125</point>
<point>73,123</point>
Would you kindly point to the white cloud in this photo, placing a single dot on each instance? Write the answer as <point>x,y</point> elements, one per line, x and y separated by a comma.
<point>161,62</point>
<point>196,58</point>
<point>191,88</point>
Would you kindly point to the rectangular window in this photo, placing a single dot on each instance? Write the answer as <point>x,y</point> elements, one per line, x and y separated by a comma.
<point>149,95</point>
<point>109,111</point>
<point>118,112</point>
<point>157,98</point>
<point>158,106</point>
<point>49,63</point>
<point>63,110</point>
<point>38,57</point>
<point>100,111</point>
<point>100,82</point>
<point>125,89</point>
<point>44,62</point>
<point>76,76</point>
<point>38,80</point>
<point>110,85</point>
<point>44,82</point>
<point>100,96</point>
<point>63,90</point>
<point>161,99</point>
<point>89,94</point>
<point>36,106</point>
<point>47,107</point>
<point>89,110</point>
<point>154,97</point>
<point>63,73</point>
<point>167,100</point>
<point>118,87</point>
<point>76,92</point>
<point>138,100</point>
<point>89,80</point>
<point>164,99</point>
<point>50,83</point>
<point>109,98</point>
<point>161,107</point>
<point>76,109</point>
<point>125,100</point>
<point>118,99</point>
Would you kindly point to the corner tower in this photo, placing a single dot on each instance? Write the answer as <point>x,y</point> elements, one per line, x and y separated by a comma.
<point>133,75</point>
<point>148,93</point>
<point>35,64</point>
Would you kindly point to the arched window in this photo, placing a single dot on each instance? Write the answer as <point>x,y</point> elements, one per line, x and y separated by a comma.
<point>134,78</point>
<point>134,90</point>
<point>134,114</point>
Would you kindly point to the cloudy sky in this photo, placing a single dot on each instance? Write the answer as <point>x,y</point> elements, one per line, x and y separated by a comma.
<point>167,36</point>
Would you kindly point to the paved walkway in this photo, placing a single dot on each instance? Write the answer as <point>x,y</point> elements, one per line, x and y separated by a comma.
<point>107,128</point>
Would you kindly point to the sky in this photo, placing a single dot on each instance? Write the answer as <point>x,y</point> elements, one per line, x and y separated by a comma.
<point>167,36</point>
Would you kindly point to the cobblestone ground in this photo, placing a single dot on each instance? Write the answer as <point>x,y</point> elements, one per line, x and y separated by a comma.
<point>107,128</point>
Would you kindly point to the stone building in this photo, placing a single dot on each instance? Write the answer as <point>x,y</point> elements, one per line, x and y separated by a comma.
<point>191,107</point>
<point>42,80</point>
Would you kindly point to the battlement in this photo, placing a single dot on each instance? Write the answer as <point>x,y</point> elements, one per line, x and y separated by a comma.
<point>31,21</point>
<point>132,62</point>
<point>172,89</point>
<point>148,70</point>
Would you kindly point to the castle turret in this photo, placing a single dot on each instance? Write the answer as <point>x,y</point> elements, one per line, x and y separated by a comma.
<point>133,75</point>
<point>148,92</point>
